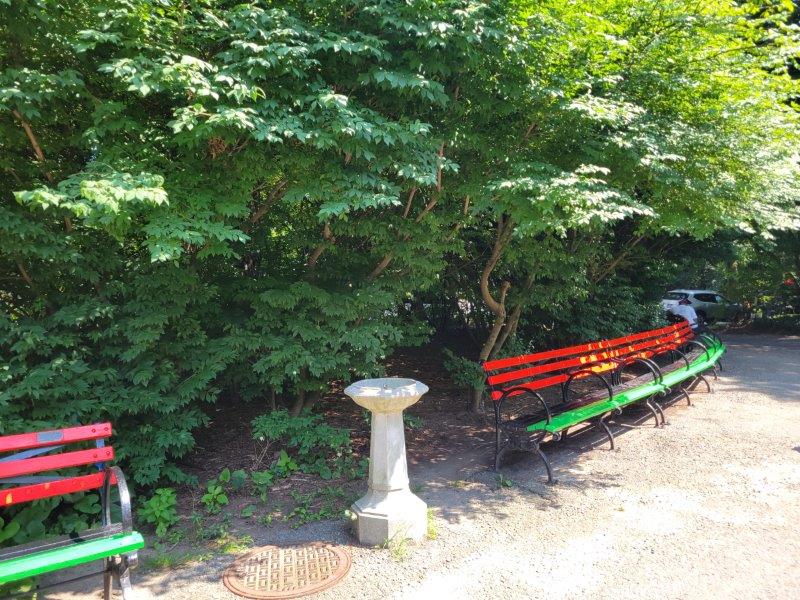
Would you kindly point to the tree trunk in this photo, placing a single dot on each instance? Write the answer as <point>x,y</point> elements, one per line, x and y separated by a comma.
<point>304,401</point>
<point>475,402</point>
<point>505,228</point>
<point>510,329</point>
<point>297,405</point>
<point>499,321</point>
<point>311,400</point>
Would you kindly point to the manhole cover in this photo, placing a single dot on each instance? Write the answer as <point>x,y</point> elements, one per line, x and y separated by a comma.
<point>287,571</point>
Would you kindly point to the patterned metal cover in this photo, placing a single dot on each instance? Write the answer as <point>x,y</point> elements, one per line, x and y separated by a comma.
<point>287,571</point>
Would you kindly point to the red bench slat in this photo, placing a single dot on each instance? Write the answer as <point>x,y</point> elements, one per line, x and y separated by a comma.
<point>37,491</point>
<point>597,357</point>
<point>573,350</point>
<point>55,437</point>
<point>520,360</point>
<point>533,385</point>
<point>56,461</point>
<point>514,361</point>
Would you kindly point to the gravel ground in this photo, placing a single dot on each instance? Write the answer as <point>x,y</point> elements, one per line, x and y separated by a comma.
<point>707,507</point>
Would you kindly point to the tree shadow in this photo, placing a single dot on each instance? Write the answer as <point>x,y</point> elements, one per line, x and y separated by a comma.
<point>450,458</point>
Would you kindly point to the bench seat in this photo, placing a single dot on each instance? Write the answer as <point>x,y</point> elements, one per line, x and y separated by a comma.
<point>39,465</point>
<point>519,380</point>
<point>69,554</point>
<point>584,413</point>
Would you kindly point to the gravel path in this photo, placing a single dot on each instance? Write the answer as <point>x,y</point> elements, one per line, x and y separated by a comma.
<point>707,507</point>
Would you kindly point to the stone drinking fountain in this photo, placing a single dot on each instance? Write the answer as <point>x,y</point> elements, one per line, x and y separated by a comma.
<point>389,509</point>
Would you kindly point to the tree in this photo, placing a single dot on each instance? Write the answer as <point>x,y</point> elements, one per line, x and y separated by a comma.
<point>225,200</point>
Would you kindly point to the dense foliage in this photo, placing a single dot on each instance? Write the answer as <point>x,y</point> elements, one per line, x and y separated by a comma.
<point>205,199</point>
<point>316,447</point>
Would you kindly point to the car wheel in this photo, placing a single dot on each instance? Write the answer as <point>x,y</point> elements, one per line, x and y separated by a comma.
<point>702,319</point>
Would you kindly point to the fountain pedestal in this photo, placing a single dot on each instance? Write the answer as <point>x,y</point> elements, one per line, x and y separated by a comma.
<point>389,509</point>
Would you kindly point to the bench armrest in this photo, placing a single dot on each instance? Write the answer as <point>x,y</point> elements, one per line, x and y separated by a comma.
<point>651,366</point>
<point>709,337</point>
<point>521,390</point>
<point>114,474</point>
<point>588,372</point>
<point>701,345</point>
<point>677,351</point>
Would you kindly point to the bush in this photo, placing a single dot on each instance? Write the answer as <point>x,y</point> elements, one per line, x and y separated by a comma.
<point>250,206</point>
<point>54,516</point>
<point>464,373</point>
<point>315,446</point>
<point>160,510</point>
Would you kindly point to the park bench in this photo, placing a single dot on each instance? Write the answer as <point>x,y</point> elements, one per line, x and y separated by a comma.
<point>672,358</point>
<point>22,480</point>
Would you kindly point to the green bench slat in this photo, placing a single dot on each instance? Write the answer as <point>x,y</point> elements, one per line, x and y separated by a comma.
<point>584,413</point>
<point>69,556</point>
<point>700,364</point>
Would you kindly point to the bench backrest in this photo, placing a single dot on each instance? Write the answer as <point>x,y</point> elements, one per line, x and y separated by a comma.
<point>552,367</point>
<point>21,478</point>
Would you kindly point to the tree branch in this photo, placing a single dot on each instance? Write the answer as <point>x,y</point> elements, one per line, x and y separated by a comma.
<point>273,197</point>
<point>384,262</point>
<point>410,200</point>
<point>328,239</point>
<point>37,150</point>
<point>531,129</point>
<point>381,266</point>
<point>25,275</point>
<point>428,207</point>
<point>504,229</point>
<point>613,264</point>
<point>459,224</point>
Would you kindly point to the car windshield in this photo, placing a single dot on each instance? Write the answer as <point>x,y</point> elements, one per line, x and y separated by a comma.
<point>675,296</point>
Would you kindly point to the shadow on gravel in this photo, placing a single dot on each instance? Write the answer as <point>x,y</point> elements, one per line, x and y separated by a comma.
<point>464,484</point>
<point>753,361</point>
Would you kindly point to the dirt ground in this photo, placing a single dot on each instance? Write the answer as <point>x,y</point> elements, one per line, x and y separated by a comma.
<point>707,507</point>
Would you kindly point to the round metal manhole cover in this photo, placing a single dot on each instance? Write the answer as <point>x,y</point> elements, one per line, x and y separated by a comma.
<point>287,571</point>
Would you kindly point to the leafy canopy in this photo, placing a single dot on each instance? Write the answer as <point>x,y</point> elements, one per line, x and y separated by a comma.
<point>214,201</point>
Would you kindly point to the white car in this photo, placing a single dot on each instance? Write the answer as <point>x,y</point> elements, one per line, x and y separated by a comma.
<point>709,305</point>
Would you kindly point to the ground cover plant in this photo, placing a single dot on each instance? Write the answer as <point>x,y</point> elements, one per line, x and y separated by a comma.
<point>208,202</point>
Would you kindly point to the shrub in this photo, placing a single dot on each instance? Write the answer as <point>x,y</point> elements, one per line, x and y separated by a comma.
<point>160,510</point>
<point>316,447</point>
<point>463,372</point>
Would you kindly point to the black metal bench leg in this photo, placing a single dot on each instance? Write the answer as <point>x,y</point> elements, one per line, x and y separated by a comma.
<point>498,457</point>
<point>656,410</point>
<point>704,380</point>
<point>107,579</point>
<point>496,435</point>
<point>663,395</point>
<point>601,421</point>
<point>716,372</point>
<point>122,575</point>
<point>685,392</point>
<point>547,466</point>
